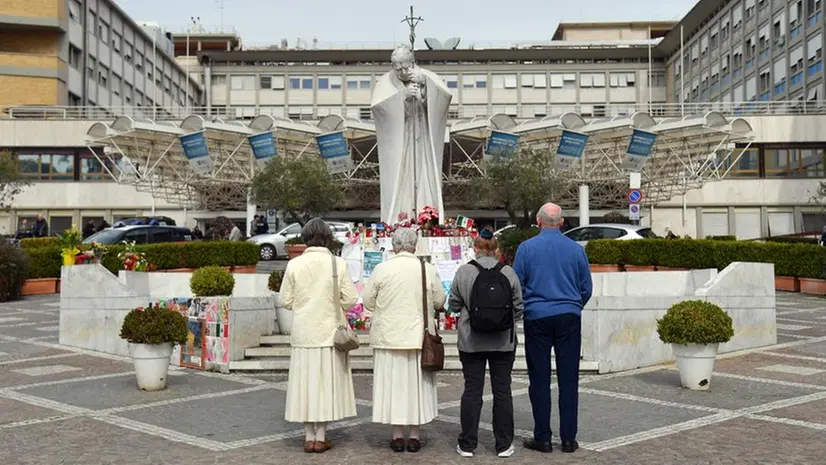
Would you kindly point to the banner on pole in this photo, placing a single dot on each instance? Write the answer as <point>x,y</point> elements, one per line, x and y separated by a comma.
<point>639,150</point>
<point>263,147</point>
<point>335,151</point>
<point>569,152</point>
<point>197,152</point>
<point>501,146</point>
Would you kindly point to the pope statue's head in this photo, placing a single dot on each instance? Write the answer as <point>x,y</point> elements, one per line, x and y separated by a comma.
<point>403,63</point>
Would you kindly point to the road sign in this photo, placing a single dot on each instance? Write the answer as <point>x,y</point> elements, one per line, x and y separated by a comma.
<point>634,196</point>
<point>634,212</point>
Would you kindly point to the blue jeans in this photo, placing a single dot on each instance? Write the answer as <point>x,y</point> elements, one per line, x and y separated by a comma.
<point>564,334</point>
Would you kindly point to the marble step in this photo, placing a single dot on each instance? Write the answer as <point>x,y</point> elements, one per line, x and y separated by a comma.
<point>364,351</point>
<point>366,364</point>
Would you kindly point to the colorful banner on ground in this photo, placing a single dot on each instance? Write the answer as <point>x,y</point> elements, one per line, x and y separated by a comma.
<point>639,150</point>
<point>501,146</point>
<point>335,151</point>
<point>571,146</point>
<point>197,152</point>
<point>263,147</point>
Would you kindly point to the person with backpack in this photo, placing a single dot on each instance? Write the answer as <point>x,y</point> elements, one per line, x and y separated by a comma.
<point>556,283</point>
<point>490,298</point>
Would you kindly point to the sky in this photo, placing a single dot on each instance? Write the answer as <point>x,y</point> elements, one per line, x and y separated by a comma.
<point>355,23</point>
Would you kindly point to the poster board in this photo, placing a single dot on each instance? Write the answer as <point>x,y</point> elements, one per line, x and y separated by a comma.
<point>207,344</point>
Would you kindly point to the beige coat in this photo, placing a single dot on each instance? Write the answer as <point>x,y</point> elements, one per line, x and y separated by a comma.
<point>394,295</point>
<point>307,290</point>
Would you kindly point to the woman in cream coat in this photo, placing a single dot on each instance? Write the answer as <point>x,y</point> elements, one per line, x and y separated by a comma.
<point>320,386</point>
<point>403,395</point>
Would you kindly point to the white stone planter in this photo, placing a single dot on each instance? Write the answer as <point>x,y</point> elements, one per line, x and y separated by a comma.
<point>284,318</point>
<point>151,365</point>
<point>696,363</point>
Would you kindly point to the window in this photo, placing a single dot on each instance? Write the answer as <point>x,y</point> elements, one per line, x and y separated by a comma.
<point>657,80</point>
<point>138,60</point>
<point>150,67</point>
<point>765,81</point>
<point>780,76</point>
<point>740,163</point>
<point>715,34</point>
<point>127,92</point>
<point>795,162</point>
<point>813,11</point>
<point>452,82</point>
<point>779,30</point>
<point>74,57</point>
<point>623,79</point>
<point>738,57</point>
<point>138,236</point>
<point>103,31</point>
<point>274,82</point>
<point>91,169</point>
<point>127,52</point>
<point>219,80</point>
<point>117,41</point>
<point>536,81</point>
<point>592,80</point>
<point>477,82</point>
<point>736,17</point>
<point>74,100</point>
<point>116,81</point>
<point>561,81</point>
<point>751,47</point>
<point>59,224</point>
<point>814,50</point>
<point>796,61</point>
<point>74,10</point>
<point>763,42</point>
<point>725,29</point>
<point>47,166</point>
<point>92,23</point>
<point>749,9</point>
<point>703,45</point>
<point>242,82</point>
<point>612,233</point>
<point>795,13</point>
<point>323,83</point>
<point>365,113</point>
<point>158,235</point>
<point>103,76</point>
<point>504,81</point>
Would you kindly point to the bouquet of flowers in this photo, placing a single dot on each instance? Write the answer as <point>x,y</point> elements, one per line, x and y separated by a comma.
<point>132,260</point>
<point>357,318</point>
<point>428,217</point>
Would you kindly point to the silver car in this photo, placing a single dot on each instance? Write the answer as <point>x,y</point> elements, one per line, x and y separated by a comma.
<point>274,245</point>
<point>621,232</point>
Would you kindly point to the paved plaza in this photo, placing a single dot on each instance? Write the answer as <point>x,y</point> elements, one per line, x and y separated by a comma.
<point>64,406</point>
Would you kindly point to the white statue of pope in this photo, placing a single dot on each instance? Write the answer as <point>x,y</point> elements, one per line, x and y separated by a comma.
<point>410,106</point>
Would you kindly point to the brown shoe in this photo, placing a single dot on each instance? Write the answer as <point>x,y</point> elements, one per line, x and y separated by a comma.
<point>322,446</point>
<point>397,445</point>
<point>309,447</point>
<point>414,445</point>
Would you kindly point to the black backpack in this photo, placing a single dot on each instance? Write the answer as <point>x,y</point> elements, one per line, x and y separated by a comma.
<point>491,301</point>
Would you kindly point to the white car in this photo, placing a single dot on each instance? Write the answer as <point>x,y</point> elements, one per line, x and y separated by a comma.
<point>621,232</point>
<point>274,245</point>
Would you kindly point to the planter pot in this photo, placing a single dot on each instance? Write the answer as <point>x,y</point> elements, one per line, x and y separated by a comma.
<point>40,286</point>
<point>294,250</point>
<point>151,365</point>
<point>668,268</point>
<point>179,270</point>
<point>68,259</point>
<point>786,283</point>
<point>605,268</point>
<point>696,363</point>
<point>813,286</point>
<point>245,269</point>
<point>284,318</point>
<point>635,268</point>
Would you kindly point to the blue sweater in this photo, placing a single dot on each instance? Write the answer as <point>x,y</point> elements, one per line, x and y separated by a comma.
<point>554,274</point>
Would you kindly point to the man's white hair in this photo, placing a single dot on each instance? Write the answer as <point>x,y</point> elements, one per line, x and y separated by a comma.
<point>546,217</point>
<point>402,53</point>
<point>405,240</point>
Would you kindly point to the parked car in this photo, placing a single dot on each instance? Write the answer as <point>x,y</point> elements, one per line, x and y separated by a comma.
<point>274,245</point>
<point>498,232</point>
<point>140,234</point>
<point>144,220</point>
<point>621,232</point>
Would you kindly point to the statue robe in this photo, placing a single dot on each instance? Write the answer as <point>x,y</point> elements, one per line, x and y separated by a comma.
<point>411,138</point>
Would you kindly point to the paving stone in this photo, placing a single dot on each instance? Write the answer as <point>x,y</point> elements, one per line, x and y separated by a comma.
<point>812,412</point>
<point>46,370</point>
<point>814,349</point>
<point>19,350</point>
<point>25,332</point>
<point>725,393</point>
<point>792,370</point>
<point>89,366</point>
<point>12,411</point>
<point>752,364</point>
<point>120,391</point>
<point>227,419</point>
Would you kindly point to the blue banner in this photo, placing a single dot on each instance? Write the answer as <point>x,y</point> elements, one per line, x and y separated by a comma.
<point>197,152</point>
<point>263,146</point>
<point>571,147</point>
<point>639,149</point>
<point>335,151</point>
<point>502,145</point>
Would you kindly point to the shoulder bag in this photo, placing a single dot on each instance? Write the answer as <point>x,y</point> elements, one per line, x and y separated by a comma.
<point>433,351</point>
<point>345,338</point>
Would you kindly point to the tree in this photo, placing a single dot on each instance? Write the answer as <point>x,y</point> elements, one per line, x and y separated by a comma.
<point>301,188</point>
<point>11,182</point>
<point>521,185</point>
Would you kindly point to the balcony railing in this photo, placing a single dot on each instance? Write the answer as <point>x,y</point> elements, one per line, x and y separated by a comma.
<point>657,110</point>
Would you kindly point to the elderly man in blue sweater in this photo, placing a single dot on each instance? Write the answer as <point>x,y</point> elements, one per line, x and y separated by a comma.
<point>556,285</point>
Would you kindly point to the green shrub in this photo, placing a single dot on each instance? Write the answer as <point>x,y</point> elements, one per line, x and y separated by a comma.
<point>510,239</point>
<point>799,260</point>
<point>274,282</point>
<point>695,322</point>
<point>154,325</point>
<point>793,240</point>
<point>212,281</point>
<point>295,240</point>
<point>14,269</point>
<point>45,262</point>
<point>36,242</point>
<point>722,238</point>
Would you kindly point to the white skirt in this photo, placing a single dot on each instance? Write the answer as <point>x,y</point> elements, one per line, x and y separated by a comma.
<point>402,393</point>
<point>320,386</point>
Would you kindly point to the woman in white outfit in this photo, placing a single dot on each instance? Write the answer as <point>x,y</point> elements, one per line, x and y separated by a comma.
<point>403,395</point>
<point>320,386</point>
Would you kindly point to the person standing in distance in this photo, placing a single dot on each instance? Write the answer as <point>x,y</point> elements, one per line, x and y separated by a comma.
<point>556,285</point>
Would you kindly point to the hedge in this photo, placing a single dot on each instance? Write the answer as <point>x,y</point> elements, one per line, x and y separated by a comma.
<point>798,260</point>
<point>45,262</point>
<point>37,242</point>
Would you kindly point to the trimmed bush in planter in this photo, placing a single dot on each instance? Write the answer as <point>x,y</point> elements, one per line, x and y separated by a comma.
<point>510,239</point>
<point>211,281</point>
<point>274,281</point>
<point>45,262</point>
<point>695,322</point>
<point>154,325</point>
<point>37,242</point>
<point>14,269</point>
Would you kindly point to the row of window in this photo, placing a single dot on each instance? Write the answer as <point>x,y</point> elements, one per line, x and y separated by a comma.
<point>64,165</point>
<point>497,81</point>
<point>803,161</point>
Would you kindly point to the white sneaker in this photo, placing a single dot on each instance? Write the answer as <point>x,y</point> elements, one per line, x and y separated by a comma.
<point>507,453</point>
<point>463,453</point>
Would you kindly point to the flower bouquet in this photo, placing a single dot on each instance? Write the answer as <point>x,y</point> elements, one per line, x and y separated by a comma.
<point>358,319</point>
<point>70,245</point>
<point>427,218</point>
<point>132,260</point>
